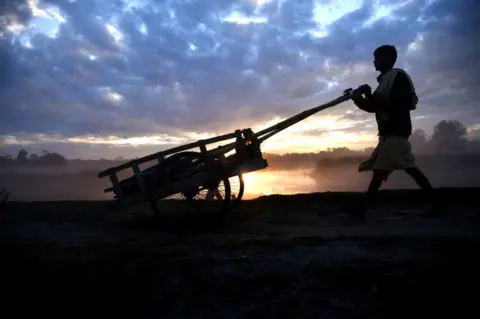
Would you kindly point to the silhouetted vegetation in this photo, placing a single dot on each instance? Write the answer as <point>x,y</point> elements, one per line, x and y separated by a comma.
<point>47,159</point>
<point>306,160</point>
<point>447,145</point>
<point>449,141</point>
<point>447,157</point>
<point>449,137</point>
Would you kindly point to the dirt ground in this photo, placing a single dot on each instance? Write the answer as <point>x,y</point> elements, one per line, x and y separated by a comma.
<point>297,256</point>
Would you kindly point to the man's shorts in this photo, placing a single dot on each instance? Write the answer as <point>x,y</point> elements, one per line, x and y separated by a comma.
<point>391,153</point>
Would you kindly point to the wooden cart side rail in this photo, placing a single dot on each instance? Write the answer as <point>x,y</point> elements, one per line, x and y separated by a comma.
<point>161,154</point>
<point>222,149</point>
<point>194,181</point>
<point>250,166</point>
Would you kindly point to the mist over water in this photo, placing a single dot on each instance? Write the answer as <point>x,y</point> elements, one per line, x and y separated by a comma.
<point>348,179</point>
<point>447,157</point>
<point>74,184</point>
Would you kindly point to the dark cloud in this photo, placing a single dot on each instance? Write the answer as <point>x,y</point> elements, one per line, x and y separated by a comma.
<point>179,66</point>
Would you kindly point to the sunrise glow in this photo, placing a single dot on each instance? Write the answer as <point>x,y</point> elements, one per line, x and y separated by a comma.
<point>142,76</point>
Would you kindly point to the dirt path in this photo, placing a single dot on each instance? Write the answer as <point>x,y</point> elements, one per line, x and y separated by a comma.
<point>276,257</point>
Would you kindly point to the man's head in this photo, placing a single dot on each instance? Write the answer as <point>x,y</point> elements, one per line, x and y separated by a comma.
<point>385,57</point>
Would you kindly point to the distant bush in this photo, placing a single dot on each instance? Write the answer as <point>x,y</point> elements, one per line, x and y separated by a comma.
<point>22,159</point>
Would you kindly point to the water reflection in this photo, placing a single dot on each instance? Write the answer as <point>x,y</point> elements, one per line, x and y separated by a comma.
<point>347,179</point>
<point>278,182</point>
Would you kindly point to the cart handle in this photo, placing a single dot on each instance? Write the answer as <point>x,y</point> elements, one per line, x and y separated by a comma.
<point>274,129</point>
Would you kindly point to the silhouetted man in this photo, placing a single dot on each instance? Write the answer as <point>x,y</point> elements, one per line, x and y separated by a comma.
<point>391,102</point>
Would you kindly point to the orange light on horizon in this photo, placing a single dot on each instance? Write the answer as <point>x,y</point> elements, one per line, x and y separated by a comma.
<point>313,134</point>
<point>265,182</point>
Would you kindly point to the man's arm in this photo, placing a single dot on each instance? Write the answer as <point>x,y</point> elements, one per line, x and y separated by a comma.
<point>364,104</point>
<point>399,99</point>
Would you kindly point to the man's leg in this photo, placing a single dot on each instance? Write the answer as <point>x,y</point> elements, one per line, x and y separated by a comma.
<point>422,181</point>
<point>379,176</point>
<point>419,178</point>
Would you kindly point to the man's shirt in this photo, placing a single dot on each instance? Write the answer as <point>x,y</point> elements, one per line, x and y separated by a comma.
<point>396,96</point>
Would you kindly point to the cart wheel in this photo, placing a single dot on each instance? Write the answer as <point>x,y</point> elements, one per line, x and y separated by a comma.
<point>212,198</point>
<point>237,186</point>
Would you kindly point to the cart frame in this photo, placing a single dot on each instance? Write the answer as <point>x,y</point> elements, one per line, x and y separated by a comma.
<point>246,158</point>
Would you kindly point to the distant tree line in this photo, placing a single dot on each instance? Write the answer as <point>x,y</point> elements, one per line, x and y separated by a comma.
<point>448,138</point>
<point>448,143</point>
<point>25,159</point>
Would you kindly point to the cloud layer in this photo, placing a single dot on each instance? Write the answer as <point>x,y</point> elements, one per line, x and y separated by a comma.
<point>114,70</point>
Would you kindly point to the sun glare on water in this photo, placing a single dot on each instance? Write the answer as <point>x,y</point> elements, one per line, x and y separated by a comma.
<point>277,182</point>
<point>250,178</point>
<point>256,184</point>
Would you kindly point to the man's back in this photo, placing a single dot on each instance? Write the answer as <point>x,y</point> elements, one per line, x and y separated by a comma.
<point>401,99</point>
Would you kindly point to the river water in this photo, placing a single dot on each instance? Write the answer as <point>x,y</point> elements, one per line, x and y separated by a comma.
<point>278,182</point>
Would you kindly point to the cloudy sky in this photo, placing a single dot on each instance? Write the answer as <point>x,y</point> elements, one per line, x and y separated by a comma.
<point>107,78</point>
